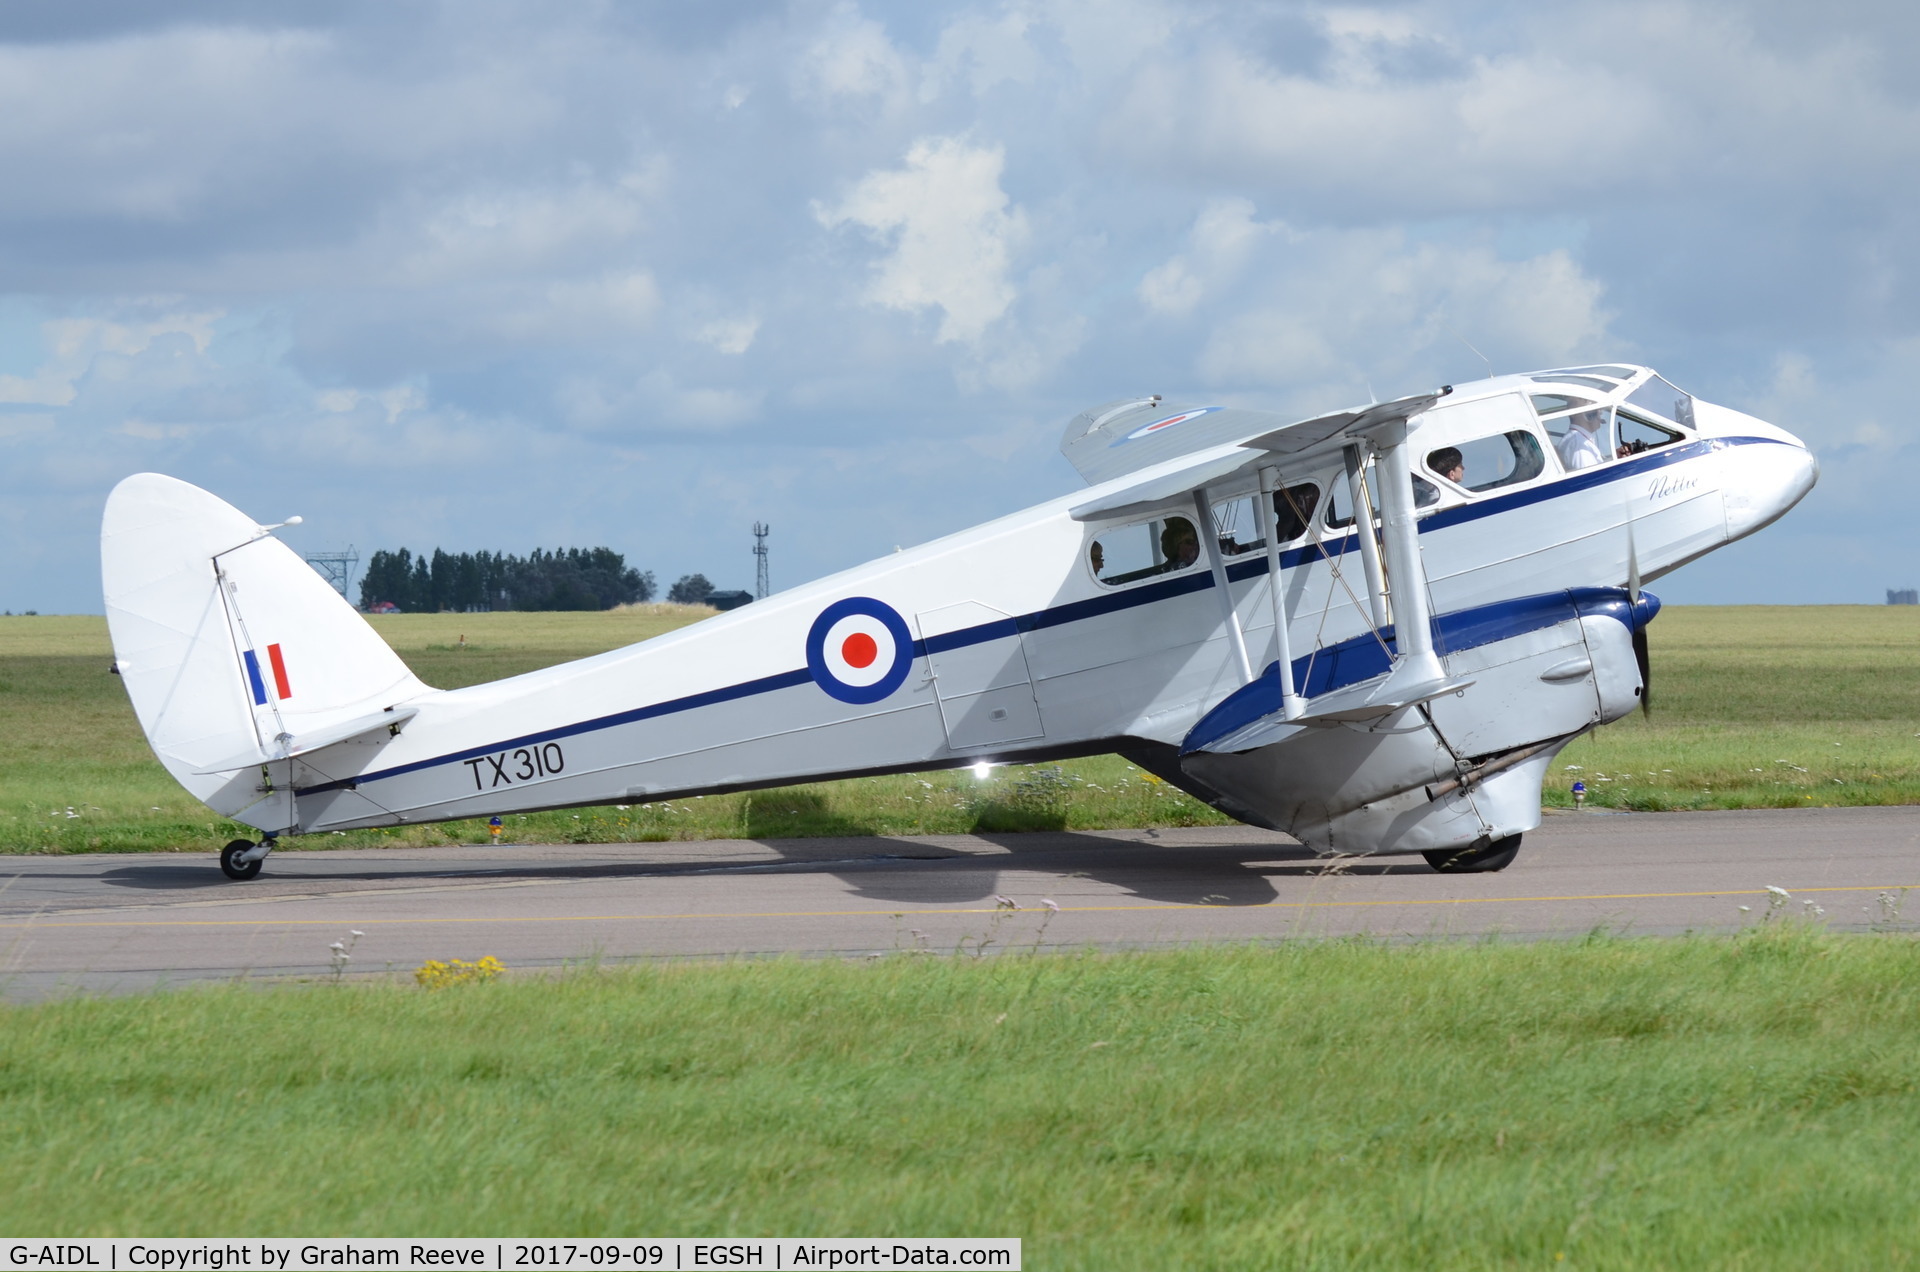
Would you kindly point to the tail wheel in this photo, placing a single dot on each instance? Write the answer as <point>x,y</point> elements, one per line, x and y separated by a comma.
<point>1482,857</point>
<point>232,866</point>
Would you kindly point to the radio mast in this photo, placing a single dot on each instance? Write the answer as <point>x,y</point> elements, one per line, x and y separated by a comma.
<point>336,568</point>
<point>760,532</point>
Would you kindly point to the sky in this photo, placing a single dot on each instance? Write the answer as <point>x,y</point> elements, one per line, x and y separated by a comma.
<point>490,275</point>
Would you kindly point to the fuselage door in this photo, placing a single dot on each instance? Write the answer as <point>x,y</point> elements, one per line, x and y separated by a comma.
<point>980,676</point>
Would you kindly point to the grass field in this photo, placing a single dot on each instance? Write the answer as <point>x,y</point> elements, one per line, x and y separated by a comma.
<point>1741,1102</point>
<point>1754,707</point>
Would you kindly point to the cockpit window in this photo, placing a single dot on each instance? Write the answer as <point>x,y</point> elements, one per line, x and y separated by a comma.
<point>1143,550</point>
<point>1584,381</point>
<point>1488,463</point>
<point>1637,435</point>
<point>1554,403</point>
<point>1662,399</point>
<point>1582,439</point>
<point>1618,373</point>
<point>1238,520</point>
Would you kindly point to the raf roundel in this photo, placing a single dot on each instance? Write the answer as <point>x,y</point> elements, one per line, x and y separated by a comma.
<point>1148,430</point>
<point>859,650</point>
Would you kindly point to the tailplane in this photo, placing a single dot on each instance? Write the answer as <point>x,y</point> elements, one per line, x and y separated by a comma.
<point>236,654</point>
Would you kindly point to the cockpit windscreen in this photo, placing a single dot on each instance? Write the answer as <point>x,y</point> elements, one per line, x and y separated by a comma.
<point>1660,398</point>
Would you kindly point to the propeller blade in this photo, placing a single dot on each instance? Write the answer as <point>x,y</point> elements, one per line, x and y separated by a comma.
<point>1633,569</point>
<point>1640,652</point>
<point>1645,660</point>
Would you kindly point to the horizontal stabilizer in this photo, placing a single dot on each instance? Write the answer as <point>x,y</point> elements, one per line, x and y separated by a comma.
<point>317,739</point>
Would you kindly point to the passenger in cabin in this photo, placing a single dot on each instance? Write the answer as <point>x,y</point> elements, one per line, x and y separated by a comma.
<point>1179,544</point>
<point>1581,447</point>
<point>1447,462</point>
<point>1293,511</point>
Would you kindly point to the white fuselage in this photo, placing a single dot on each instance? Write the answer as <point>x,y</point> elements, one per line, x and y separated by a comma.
<point>1014,648</point>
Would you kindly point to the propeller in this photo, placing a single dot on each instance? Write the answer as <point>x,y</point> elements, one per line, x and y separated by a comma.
<point>1641,654</point>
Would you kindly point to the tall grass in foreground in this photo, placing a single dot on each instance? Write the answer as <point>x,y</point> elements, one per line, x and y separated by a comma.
<point>1744,1102</point>
<point>1779,706</point>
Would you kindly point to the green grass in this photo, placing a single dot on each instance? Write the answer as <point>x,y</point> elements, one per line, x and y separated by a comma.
<point>1765,707</point>
<point>1749,703</point>
<point>1746,1102</point>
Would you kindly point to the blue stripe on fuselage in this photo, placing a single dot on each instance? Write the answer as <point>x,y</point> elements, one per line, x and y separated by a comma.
<point>1362,657</point>
<point>1348,669</point>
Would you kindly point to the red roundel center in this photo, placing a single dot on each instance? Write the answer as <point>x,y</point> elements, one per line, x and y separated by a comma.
<point>859,650</point>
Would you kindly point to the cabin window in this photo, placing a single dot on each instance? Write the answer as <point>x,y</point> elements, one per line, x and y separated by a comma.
<point>1488,463</point>
<point>1637,435</point>
<point>1340,501</point>
<point>1662,399</point>
<point>1340,507</point>
<point>1144,550</point>
<point>1238,520</point>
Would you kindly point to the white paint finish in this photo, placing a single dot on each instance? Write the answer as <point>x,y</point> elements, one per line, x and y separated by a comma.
<point>1089,671</point>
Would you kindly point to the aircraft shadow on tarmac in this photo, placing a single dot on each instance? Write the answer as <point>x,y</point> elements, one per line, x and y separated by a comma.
<point>876,868</point>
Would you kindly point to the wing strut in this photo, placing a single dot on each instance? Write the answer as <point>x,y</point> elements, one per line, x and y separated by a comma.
<point>1417,664</point>
<point>1362,503</point>
<point>1210,536</point>
<point>1291,705</point>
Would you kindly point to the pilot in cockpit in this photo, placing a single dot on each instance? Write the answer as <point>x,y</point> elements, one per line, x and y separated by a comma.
<point>1581,447</point>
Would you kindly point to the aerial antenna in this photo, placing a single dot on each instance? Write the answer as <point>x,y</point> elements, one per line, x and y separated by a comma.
<point>1463,340</point>
<point>760,532</point>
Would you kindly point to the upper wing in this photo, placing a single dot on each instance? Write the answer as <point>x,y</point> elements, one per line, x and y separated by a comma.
<point>1123,437</point>
<point>1114,442</point>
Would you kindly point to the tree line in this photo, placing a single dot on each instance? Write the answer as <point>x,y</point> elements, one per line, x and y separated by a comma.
<point>564,579</point>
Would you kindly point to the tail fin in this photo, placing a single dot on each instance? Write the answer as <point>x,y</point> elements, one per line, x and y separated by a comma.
<point>234,651</point>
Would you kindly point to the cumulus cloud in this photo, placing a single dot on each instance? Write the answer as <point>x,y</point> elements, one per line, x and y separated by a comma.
<point>950,229</point>
<point>75,347</point>
<point>852,57</point>
<point>1223,235</point>
<point>845,267</point>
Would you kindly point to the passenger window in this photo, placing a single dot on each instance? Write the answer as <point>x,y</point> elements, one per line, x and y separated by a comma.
<point>1239,523</point>
<point>1340,501</point>
<point>1239,526</point>
<point>1488,463</point>
<point>1636,435</point>
<point>1340,508</point>
<point>1143,550</point>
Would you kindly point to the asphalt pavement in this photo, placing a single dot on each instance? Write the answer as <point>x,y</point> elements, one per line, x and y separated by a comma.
<point>122,923</point>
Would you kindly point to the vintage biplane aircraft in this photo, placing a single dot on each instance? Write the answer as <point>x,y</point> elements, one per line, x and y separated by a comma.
<point>1373,630</point>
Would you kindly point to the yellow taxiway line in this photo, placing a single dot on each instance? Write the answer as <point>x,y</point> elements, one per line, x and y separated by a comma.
<point>335,921</point>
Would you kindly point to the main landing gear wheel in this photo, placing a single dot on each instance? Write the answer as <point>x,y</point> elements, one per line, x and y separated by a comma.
<point>1478,858</point>
<point>232,866</point>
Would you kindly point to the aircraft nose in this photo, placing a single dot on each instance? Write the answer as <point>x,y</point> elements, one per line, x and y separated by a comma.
<point>1766,474</point>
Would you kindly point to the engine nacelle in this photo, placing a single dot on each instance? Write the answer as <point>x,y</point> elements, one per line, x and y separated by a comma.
<point>1459,769</point>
